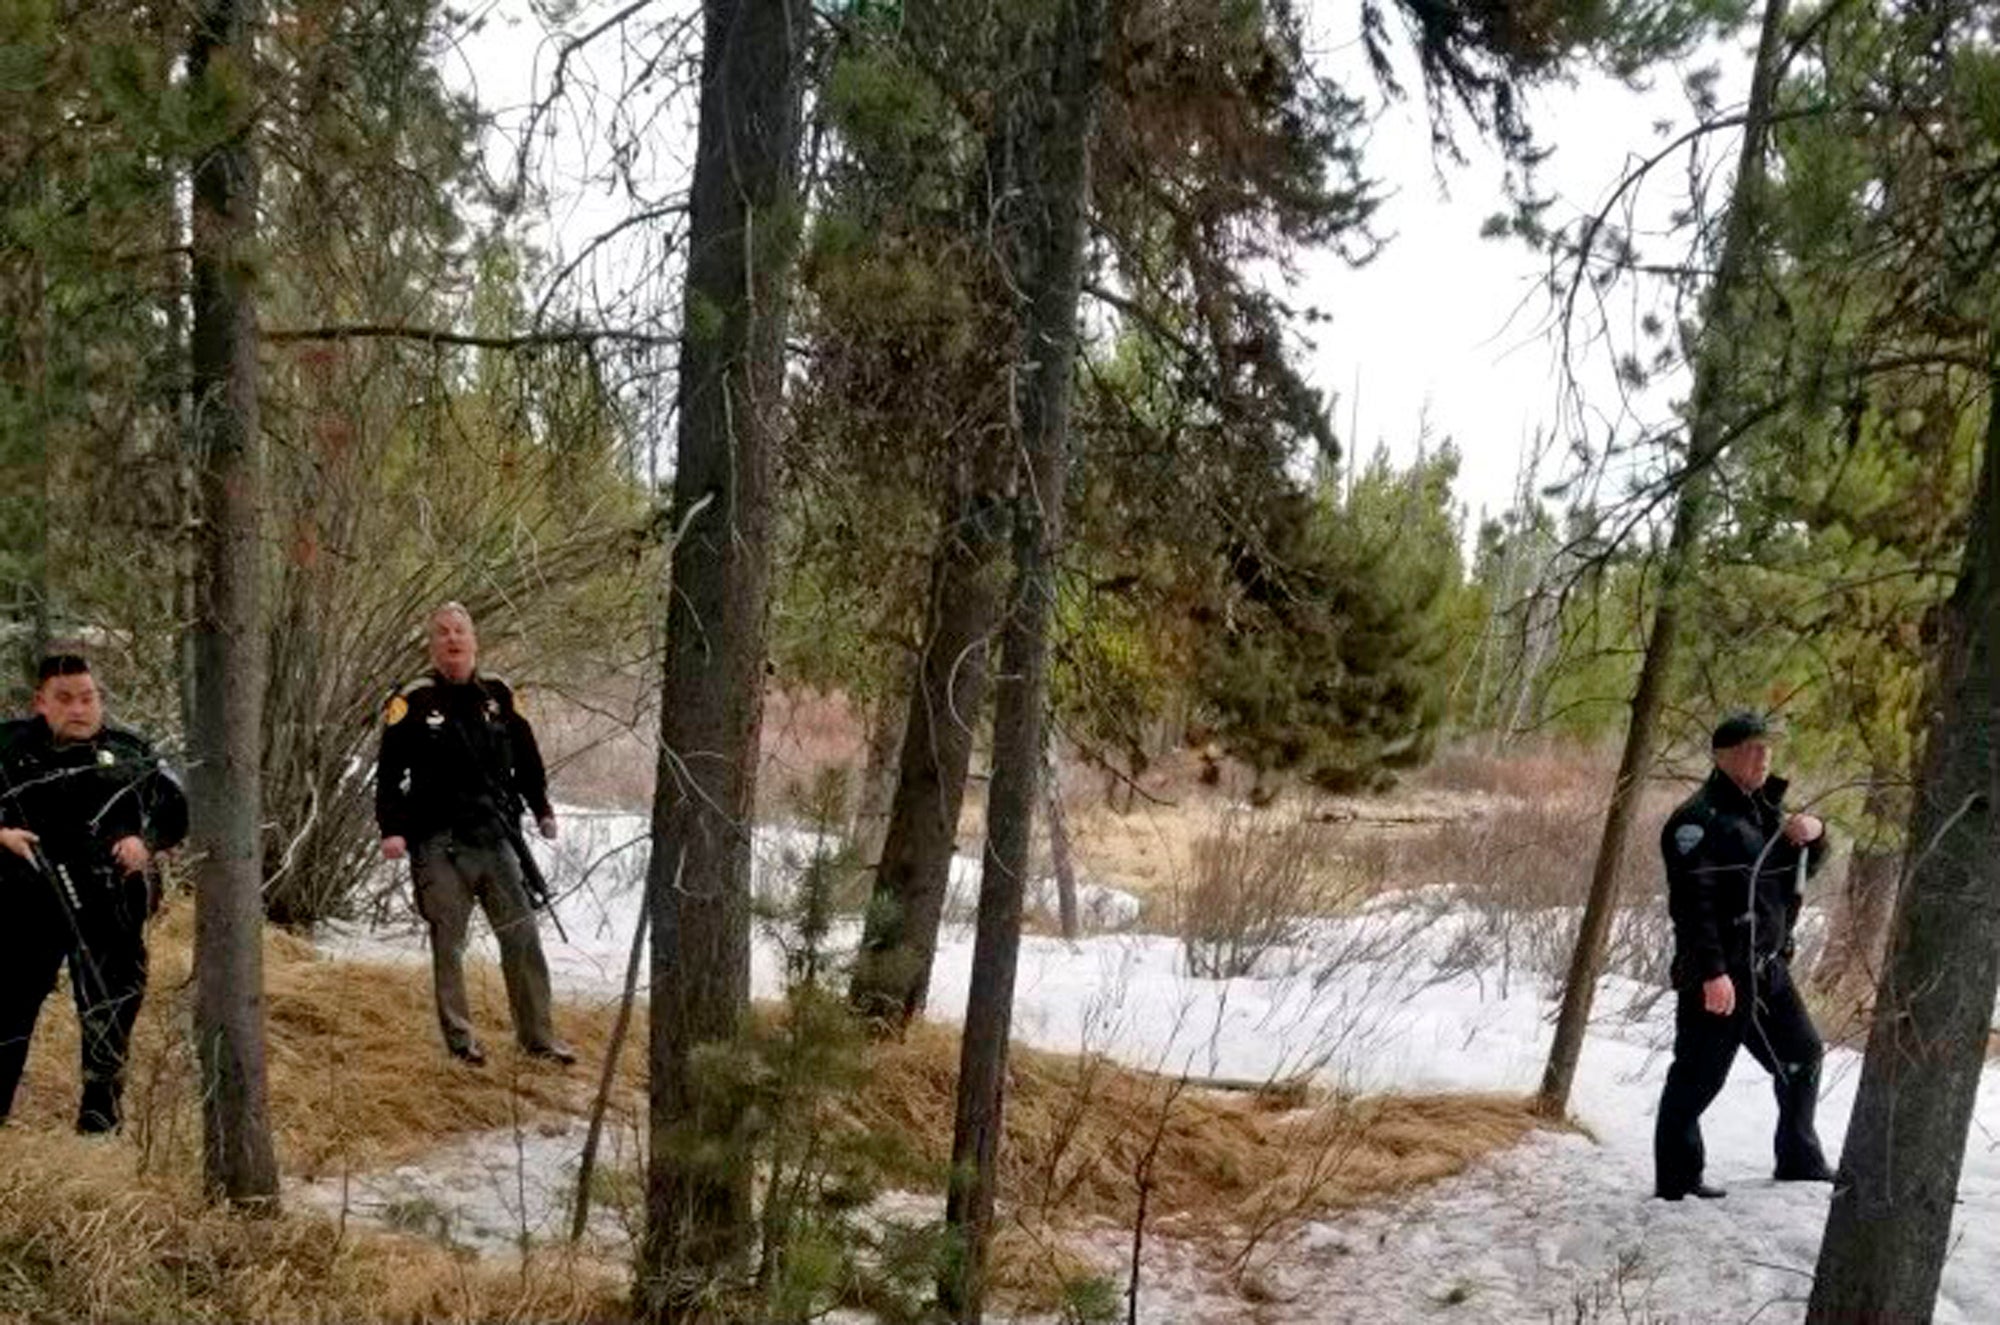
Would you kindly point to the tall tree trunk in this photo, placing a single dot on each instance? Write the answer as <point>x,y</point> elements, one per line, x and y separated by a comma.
<point>1708,433</point>
<point>744,218</point>
<point>1889,1226</point>
<point>892,972</point>
<point>225,793</point>
<point>1047,244</point>
<point>24,465</point>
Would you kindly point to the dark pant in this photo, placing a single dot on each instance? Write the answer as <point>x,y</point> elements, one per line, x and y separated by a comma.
<point>1779,1034</point>
<point>451,875</point>
<point>105,948</point>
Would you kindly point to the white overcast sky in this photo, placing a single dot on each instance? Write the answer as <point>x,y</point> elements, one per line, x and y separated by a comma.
<point>1444,330</point>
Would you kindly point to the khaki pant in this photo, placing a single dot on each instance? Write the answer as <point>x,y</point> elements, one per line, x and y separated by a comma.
<point>450,876</point>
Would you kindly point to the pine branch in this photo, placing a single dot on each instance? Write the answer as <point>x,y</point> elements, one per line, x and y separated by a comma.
<point>445,336</point>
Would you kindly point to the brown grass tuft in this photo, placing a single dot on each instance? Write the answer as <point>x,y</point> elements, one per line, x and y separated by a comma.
<point>1078,1128</point>
<point>81,1239</point>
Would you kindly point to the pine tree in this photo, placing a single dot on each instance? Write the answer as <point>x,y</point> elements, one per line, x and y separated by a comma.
<point>743,233</point>
<point>228,657</point>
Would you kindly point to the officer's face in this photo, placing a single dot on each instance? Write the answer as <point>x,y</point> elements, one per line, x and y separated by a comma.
<point>1747,763</point>
<point>454,645</point>
<point>71,706</point>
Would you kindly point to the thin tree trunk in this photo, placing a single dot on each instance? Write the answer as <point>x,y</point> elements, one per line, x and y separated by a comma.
<point>1061,863</point>
<point>1889,1225</point>
<point>743,219</point>
<point>886,720</point>
<point>586,1164</point>
<point>1048,240</point>
<point>228,654</point>
<point>1714,363</point>
<point>892,971</point>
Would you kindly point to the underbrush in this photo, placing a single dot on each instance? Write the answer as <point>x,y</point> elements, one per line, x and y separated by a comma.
<point>113,1229</point>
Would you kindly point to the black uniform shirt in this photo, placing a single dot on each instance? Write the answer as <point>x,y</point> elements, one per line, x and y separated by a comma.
<point>81,797</point>
<point>458,758</point>
<point>1711,844</point>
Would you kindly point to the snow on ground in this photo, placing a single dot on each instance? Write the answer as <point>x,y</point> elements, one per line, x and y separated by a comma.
<point>1558,1228</point>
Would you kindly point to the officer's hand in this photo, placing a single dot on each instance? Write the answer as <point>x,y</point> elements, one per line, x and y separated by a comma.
<point>19,841</point>
<point>546,825</point>
<point>1718,995</point>
<point>1801,829</point>
<point>131,854</point>
<point>394,848</point>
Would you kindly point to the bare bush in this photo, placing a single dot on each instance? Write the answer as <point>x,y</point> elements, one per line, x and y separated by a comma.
<point>1253,888</point>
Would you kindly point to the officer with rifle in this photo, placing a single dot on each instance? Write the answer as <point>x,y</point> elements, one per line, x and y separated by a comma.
<point>85,809</point>
<point>458,763</point>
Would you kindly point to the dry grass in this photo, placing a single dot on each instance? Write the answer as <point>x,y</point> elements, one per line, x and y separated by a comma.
<point>1149,849</point>
<point>82,1240</point>
<point>1077,1130</point>
<point>1533,839</point>
<point>358,1074</point>
<point>359,1081</point>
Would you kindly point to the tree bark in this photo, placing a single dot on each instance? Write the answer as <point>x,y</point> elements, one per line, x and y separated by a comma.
<point>1062,864</point>
<point>1047,241</point>
<point>1889,1225</point>
<point>225,793</point>
<point>886,719</point>
<point>743,222</point>
<point>24,466</point>
<point>1708,433</point>
<point>892,971</point>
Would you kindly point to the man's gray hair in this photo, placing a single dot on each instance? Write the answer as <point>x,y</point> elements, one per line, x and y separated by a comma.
<point>450,607</point>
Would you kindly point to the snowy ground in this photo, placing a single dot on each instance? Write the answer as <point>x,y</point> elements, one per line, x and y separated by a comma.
<point>1560,1228</point>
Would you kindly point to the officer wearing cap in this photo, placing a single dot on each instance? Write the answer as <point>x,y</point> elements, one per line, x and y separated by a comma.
<point>1734,862</point>
<point>458,762</point>
<point>84,809</point>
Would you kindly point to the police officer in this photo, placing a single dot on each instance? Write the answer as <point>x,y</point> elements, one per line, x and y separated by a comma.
<point>84,809</point>
<point>457,763</point>
<point>1734,860</point>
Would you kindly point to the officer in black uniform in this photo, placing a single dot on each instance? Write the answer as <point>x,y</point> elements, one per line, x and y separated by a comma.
<point>458,761</point>
<point>84,809</point>
<point>1734,865</point>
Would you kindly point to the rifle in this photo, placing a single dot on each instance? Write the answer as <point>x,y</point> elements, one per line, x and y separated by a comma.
<point>58,878</point>
<point>533,881</point>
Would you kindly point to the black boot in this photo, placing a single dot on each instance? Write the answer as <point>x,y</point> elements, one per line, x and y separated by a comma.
<point>1700,1189</point>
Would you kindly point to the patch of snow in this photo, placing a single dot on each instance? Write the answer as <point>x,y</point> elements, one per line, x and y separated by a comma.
<point>494,1192</point>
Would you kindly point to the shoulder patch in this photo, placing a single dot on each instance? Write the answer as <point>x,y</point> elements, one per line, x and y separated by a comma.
<point>399,708</point>
<point>1687,837</point>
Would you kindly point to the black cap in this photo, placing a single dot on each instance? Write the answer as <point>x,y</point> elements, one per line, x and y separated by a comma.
<point>62,664</point>
<point>1738,728</point>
